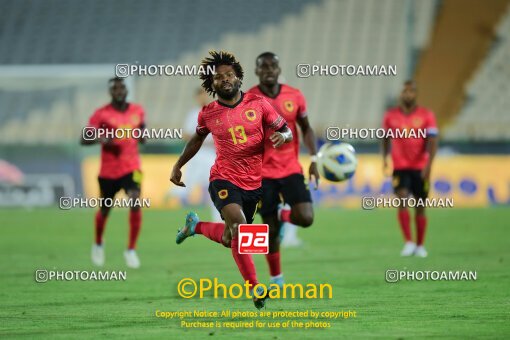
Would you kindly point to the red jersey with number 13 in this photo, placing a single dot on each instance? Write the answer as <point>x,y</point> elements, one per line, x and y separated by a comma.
<point>239,132</point>
<point>283,161</point>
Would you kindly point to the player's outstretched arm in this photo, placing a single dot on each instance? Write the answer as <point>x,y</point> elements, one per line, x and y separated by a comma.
<point>190,150</point>
<point>281,136</point>
<point>142,139</point>
<point>92,141</point>
<point>385,147</point>
<point>84,141</point>
<point>309,140</point>
<point>432,144</point>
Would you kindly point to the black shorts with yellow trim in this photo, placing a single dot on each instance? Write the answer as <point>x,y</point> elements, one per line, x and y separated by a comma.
<point>412,181</point>
<point>292,189</point>
<point>109,187</point>
<point>223,192</point>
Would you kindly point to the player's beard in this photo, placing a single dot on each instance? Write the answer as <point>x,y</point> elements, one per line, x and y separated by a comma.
<point>119,100</point>
<point>229,94</point>
<point>409,103</point>
<point>267,81</point>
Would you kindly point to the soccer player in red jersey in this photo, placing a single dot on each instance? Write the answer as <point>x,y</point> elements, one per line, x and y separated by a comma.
<point>412,162</point>
<point>120,165</point>
<point>240,123</point>
<point>282,174</point>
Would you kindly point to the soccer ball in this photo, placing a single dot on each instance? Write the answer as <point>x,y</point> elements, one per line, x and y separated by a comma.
<point>337,162</point>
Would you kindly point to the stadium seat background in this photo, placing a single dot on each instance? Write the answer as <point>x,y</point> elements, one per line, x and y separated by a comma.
<point>163,32</point>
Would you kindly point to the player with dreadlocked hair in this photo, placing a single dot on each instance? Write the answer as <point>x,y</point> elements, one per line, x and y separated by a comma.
<point>216,59</point>
<point>239,123</point>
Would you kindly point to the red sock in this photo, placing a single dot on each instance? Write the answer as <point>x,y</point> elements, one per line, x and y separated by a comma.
<point>100,223</point>
<point>285,216</point>
<point>405,224</point>
<point>244,263</point>
<point>135,222</point>
<point>273,259</point>
<point>211,230</point>
<point>421,226</point>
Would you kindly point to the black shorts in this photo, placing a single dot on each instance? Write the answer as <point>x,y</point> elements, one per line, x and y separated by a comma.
<point>109,187</point>
<point>412,181</point>
<point>293,190</point>
<point>223,192</point>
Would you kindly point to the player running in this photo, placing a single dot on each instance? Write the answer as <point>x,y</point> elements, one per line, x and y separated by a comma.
<point>240,123</point>
<point>412,162</point>
<point>282,174</point>
<point>120,166</point>
<point>203,160</point>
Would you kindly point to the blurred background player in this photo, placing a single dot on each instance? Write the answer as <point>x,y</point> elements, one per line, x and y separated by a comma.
<point>412,162</point>
<point>240,124</point>
<point>204,159</point>
<point>120,166</point>
<point>282,175</point>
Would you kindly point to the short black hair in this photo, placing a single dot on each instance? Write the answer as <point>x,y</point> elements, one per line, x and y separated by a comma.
<point>113,80</point>
<point>266,55</point>
<point>216,59</point>
<point>410,82</point>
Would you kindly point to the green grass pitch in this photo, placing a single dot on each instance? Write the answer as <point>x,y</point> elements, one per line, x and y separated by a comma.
<point>349,249</point>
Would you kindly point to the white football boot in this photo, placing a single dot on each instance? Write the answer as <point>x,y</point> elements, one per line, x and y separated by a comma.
<point>132,260</point>
<point>97,255</point>
<point>420,251</point>
<point>409,249</point>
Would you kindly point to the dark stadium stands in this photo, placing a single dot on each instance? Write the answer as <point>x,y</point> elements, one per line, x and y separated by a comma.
<point>104,33</point>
